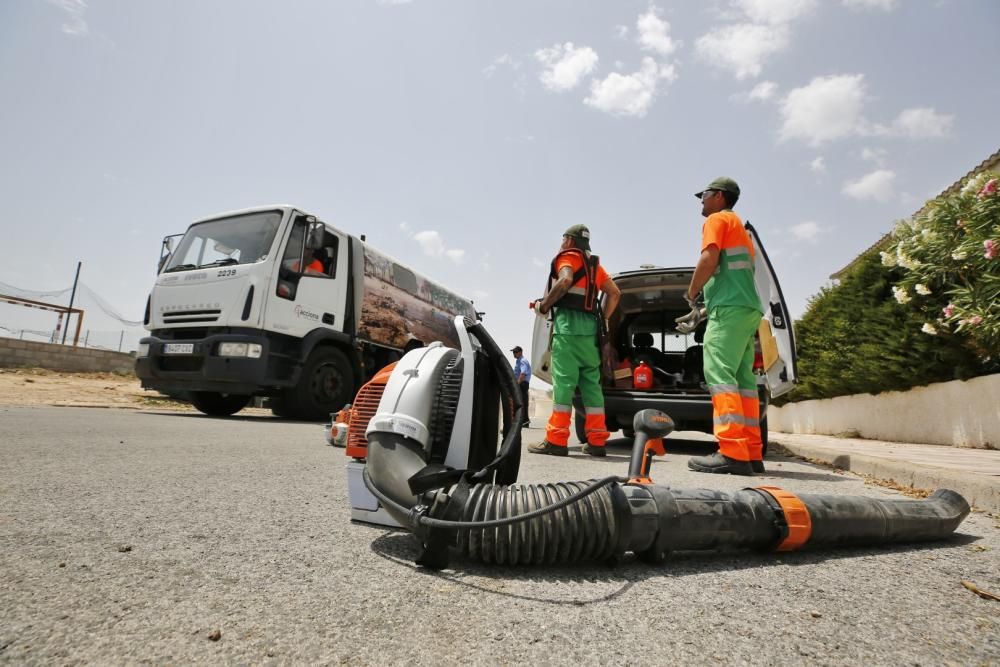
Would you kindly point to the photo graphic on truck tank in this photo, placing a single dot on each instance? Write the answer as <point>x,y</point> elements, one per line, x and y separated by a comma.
<point>399,305</point>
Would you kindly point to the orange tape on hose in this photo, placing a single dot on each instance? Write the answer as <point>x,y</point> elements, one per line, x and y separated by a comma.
<point>796,516</point>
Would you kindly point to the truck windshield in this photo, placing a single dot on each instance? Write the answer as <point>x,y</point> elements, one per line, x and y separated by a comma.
<point>241,239</point>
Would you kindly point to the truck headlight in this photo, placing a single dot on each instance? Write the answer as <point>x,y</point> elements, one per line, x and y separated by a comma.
<point>252,350</point>
<point>232,349</point>
<point>142,350</point>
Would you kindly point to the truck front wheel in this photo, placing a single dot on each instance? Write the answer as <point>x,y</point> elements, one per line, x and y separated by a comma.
<point>326,384</point>
<point>218,405</point>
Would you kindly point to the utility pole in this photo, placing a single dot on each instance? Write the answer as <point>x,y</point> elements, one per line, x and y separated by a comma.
<point>72,296</point>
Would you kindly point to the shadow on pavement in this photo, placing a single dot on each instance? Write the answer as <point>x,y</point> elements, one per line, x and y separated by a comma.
<point>270,419</point>
<point>401,548</point>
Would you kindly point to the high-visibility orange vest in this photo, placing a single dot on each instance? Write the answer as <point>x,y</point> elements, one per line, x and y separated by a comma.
<point>315,266</point>
<point>582,295</point>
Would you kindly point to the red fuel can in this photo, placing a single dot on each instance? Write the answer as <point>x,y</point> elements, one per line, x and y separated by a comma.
<point>642,376</point>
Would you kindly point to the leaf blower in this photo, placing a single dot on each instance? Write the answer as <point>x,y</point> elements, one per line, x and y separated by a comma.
<point>466,501</point>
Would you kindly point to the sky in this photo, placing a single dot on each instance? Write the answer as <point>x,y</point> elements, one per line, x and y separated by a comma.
<point>465,136</point>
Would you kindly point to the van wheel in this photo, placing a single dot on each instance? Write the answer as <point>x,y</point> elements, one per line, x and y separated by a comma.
<point>218,405</point>
<point>326,385</point>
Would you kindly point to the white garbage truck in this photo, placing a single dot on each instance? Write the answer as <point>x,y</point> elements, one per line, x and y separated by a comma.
<point>273,302</point>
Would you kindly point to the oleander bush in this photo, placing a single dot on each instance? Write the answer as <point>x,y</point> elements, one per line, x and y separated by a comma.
<point>925,310</point>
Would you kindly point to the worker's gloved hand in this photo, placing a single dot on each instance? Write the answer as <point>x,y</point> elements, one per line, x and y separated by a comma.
<point>688,323</point>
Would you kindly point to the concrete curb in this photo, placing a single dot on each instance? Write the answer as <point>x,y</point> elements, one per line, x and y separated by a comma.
<point>982,492</point>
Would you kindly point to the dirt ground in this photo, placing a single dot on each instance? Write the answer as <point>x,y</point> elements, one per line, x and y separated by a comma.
<point>38,386</point>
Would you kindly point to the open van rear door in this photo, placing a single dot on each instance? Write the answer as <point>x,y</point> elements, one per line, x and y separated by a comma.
<point>541,348</point>
<point>777,341</point>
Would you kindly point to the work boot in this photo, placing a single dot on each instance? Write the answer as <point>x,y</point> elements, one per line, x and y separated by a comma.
<point>594,450</point>
<point>721,464</point>
<point>757,466</point>
<point>546,447</point>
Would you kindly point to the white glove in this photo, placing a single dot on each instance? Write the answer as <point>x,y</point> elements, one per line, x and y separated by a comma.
<point>688,323</point>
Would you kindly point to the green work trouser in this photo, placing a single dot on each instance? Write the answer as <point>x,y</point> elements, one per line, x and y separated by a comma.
<point>576,362</point>
<point>729,373</point>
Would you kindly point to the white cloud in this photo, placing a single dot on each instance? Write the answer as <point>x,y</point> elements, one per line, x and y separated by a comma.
<point>75,23</point>
<point>742,48</point>
<point>868,5</point>
<point>761,31</point>
<point>921,123</point>
<point>807,231</point>
<point>654,33</point>
<point>818,165</point>
<point>763,90</point>
<point>500,61</point>
<point>631,94</point>
<point>539,263</point>
<point>565,65</point>
<point>621,31</point>
<point>825,109</point>
<point>876,186</point>
<point>480,294</point>
<point>774,11</point>
<point>432,244</point>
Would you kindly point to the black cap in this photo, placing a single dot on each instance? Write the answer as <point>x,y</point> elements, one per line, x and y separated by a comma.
<point>516,348</point>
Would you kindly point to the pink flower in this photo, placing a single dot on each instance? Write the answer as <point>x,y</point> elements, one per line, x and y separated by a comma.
<point>989,189</point>
<point>975,319</point>
<point>990,247</point>
<point>949,310</point>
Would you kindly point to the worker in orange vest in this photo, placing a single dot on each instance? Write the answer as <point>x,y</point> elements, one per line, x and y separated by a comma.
<point>575,278</point>
<point>726,272</point>
<point>314,267</point>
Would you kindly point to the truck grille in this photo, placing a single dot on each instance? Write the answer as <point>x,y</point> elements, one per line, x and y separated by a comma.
<point>191,316</point>
<point>181,364</point>
<point>363,409</point>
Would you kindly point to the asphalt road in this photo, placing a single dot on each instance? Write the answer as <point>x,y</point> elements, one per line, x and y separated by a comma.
<point>131,537</point>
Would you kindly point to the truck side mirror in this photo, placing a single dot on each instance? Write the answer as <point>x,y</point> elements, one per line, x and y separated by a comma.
<point>314,237</point>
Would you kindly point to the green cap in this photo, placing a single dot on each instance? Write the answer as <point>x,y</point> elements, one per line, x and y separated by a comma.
<point>723,184</point>
<point>581,234</point>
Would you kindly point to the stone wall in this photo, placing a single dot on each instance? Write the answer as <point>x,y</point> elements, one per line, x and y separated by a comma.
<point>22,353</point>
<point>958,413</point>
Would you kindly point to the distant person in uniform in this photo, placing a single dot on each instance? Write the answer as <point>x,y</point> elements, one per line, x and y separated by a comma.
<point>522,372</point>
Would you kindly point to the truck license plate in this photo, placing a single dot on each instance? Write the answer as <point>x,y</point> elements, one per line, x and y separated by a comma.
<point>178,348</point>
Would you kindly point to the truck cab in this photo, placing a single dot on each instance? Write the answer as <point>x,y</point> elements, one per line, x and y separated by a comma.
<point>270,301</point>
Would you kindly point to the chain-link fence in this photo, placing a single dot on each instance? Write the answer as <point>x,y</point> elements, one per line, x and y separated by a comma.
<point>120,340</point>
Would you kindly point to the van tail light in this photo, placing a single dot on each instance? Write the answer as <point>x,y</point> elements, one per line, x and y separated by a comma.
<point>758,361</point>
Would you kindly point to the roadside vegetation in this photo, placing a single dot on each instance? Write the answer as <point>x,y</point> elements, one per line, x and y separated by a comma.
<point>927,309</point>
